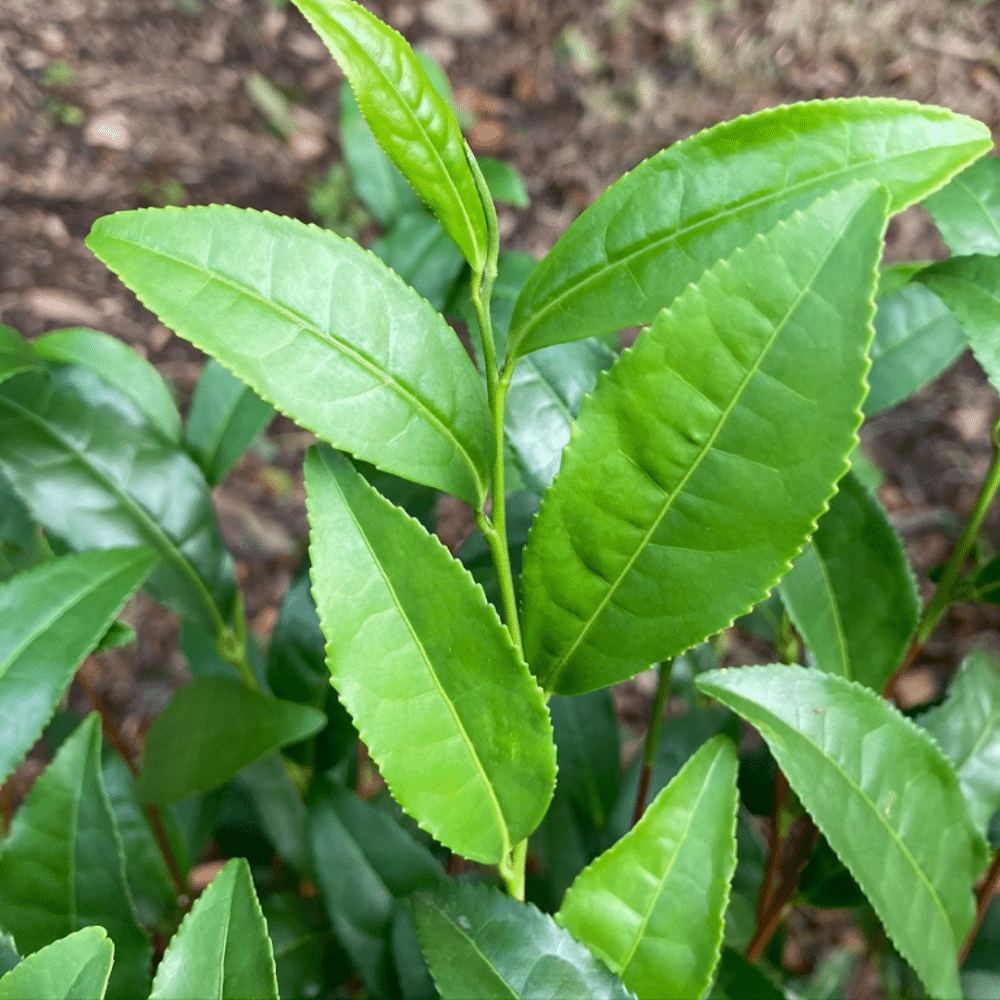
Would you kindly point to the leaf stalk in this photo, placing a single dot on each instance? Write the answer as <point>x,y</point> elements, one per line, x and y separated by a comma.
<point>664,671</point>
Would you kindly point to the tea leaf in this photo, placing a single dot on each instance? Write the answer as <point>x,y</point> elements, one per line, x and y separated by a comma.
<point>882,794</point>
<point>16,354</point>
<point>410,119</point>
<point>851,592</point>
<point>967,209</point>
<point>658,228</point>
<point>75,967</point>
<point>318,327</point>
<point>706,453</point>
<point>447,708</point>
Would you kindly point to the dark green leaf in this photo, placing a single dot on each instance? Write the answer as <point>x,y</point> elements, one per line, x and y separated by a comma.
<point>281,809</point>
<point>51,617</point>
<point>987,584</point>
<point>117,364</point>
<point>16,355</point>
<point>967,210</point>
<point>62,866</point>
<point>8,953</point>
<point>318,327</point>
<point>651,907</point>
<point>826,882</point>
<point>225,417</point>
<point>851,592</point>
<point>21,543</point>
<point>446,706</point>
<point>985,951</point>
<point>302,943</point>
<point>365,864</point>
<point>75,967</point>
<point>738,979</point>
<point>483,945</point>
<point>883,795</point>
<point>658,228</point>
<point>706,453</point>
<point>411,120</point>
<point>213,727</point>
<point>967,728</point>
<point>916,338</point>
<point>86,463</point>
<point>221,950</point>
<point>504,182</point>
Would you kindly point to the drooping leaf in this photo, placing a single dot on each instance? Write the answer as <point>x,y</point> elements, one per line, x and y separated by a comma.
<point>116,363</point>
<point>967,209</point>
<point>483,945</point>
<point>211,728</point>
<point>16,355</point>
<point>544,400</point>
<point>75,967</point>
<point>970,288</point>
<point>62,866</point>
<point>51,617</point>
<point>706,453</point>
<point>225,417</point>
<point>851,592</point>
<point>221,949</point>
<point>651,907</point>
<point>318,327</point>
<point>410,119</point>
<point>882,794</point>
<point>967,728</point>
<point>504,182</point>
<point>85,462</point>
<point>365,865</point>
<point>658,228</point>
<point>446,706</point>
<point>916,338</point>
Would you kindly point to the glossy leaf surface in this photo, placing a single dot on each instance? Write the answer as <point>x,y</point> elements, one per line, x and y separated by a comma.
<point>967,728</point>
<point>410,119</point>
<point>447,708</point>
<point>213,727</point>
<point>365,865</point>
<point>16,355</point>
<point>483,945</point>
<point>652,906</point>
<point>221,949</point>
<point>882,794</point>
<point>116,363</point>
<point>51,617</point>
<point>706,453</point>
<point>851,592</point>
<point>658,228</point>
<point>916,338</point>
<point>85,462</point>
<point>970,288</point>
<point>316,326</point>
<point>62,867</point>
<point>967,210</point>
<point>224,419</point>
<point>75,967</point>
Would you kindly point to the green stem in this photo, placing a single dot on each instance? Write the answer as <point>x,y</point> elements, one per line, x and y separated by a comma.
<point>664,671</point>
<point>512,870</point>
<point>945,589</point>
<point>232,644</point>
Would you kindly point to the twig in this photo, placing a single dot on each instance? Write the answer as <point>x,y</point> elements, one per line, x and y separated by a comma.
<point>664,670</point>
<point>983,897</point>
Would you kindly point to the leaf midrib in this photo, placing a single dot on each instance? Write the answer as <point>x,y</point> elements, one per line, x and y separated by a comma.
<point>838,623</point>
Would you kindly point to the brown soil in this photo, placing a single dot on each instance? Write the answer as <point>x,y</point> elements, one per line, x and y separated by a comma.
<point>114,104</point>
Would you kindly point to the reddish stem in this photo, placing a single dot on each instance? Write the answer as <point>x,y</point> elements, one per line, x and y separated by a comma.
<point>983,897</point>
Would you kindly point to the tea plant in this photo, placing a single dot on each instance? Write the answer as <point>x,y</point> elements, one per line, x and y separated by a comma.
<point>703,475</point>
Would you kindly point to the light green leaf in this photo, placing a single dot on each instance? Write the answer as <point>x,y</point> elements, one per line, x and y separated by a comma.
<point>483,945</point>
<point>411,120</point>
<point>851,592</point>
<point>318,327</point>
<point>16,355</point>
<point>658,228</point>
<point>504,182</point>
<point>651,908</point>
<point>62,865</point>
<point>51,617</point>
<point>365,865</point>
<point>86,463</point>
<point>116,363</point>
<point>706,453</point>
<point>967,728</point>
<point>884,797</point>
<point>224,419</point>
<point>213,727</point>
<point>446,706</point>
<point>75,967</point>
<point>967,210</point>
<point>916,338</point>
<point>970,288</point>
<point>221,950</point>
